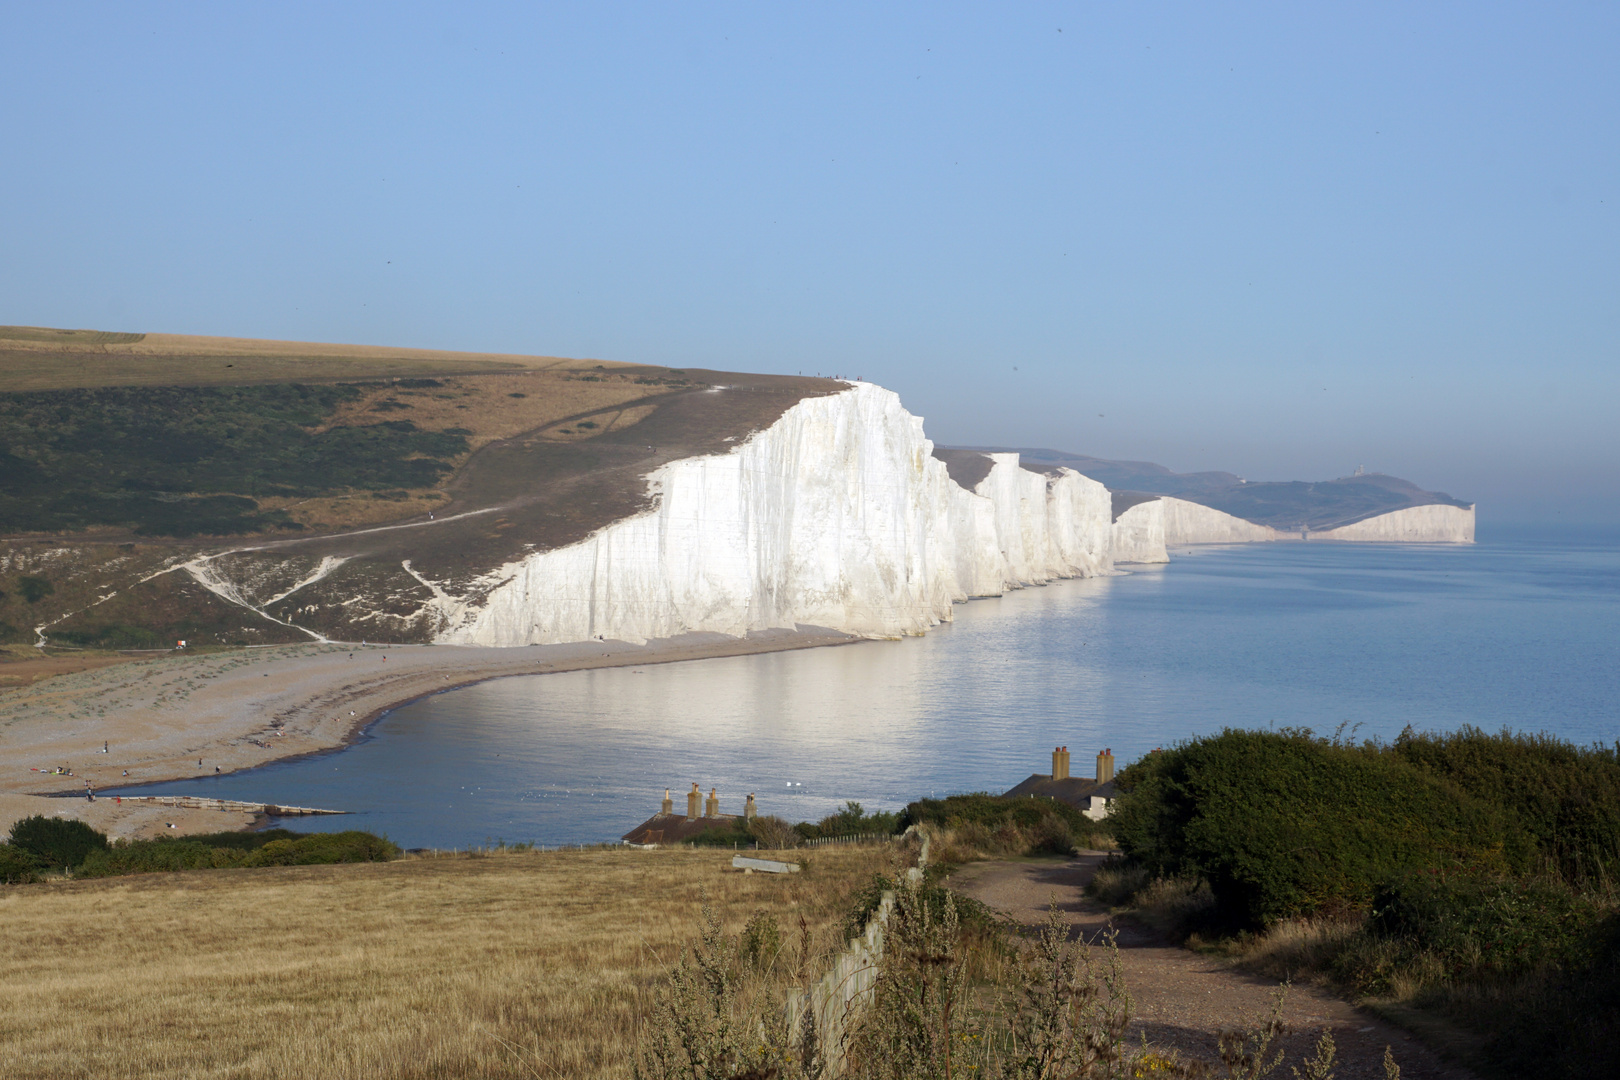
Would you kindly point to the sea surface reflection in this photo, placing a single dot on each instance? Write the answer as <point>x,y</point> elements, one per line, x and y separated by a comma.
<point>1520,631</point>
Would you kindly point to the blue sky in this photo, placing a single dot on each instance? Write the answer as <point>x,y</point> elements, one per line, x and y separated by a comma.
<point>1283,239</point>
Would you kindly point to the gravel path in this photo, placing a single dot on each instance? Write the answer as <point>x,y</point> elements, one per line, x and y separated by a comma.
<point>1183,998</point>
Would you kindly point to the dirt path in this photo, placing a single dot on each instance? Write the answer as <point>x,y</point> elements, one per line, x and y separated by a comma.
<point>1182,998</point>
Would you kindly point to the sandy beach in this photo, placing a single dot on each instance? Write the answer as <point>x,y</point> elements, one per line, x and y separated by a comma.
<point>178,715</point>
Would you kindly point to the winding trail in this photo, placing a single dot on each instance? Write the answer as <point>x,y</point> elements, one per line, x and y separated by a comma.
<point>1183,998</point>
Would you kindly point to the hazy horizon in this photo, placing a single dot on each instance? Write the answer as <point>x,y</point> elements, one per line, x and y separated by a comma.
<point>1275,241</point>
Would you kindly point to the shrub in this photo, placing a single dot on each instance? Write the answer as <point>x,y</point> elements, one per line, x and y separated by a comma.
<point>851,820</point>
<point>1117,882</point>
<point>272,847</point>
<point>1569,1025</point>
<point>1566,797</point>
<point>155,856</point>
<point>34,589</point>
<point>1479,924</point>
<point>1283,824</point>
<point>247,841</point>
<point>59,843</point>
<point>316,848</point>
<point>982,824</point>
<point>17,867</point>
<point>773,833</point>
<point>761,941</point>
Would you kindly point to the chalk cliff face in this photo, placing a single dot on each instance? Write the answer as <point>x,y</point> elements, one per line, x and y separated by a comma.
<point>1138,534</point>
<point>1048,524</point>
<point>1414,525</point>
<point>1192,523</point>
<point>836,515</point>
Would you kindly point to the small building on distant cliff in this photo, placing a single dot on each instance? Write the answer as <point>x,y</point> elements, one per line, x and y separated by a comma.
<point>1092,797</point>
<point>667,827</point>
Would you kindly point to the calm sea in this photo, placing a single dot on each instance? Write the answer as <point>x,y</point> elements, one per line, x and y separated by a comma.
<point>1521,630</point>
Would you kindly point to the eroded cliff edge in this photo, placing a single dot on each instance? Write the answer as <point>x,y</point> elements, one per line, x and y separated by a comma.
<point>837,515</point>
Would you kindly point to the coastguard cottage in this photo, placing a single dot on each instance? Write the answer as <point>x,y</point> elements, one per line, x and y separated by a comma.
<point>1093,797</point>
<point>666,827</point>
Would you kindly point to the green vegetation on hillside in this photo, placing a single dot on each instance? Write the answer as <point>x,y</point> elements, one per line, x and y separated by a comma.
<point>988,825</point>
<point>39,843</point>
<point>183,461</point>
<point>1467,876</point>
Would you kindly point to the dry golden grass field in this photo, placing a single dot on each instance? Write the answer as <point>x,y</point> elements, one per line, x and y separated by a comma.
<point>44,358</point>
<point>504,965</point>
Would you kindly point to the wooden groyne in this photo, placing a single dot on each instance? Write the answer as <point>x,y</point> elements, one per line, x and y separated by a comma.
<point>194,802</point>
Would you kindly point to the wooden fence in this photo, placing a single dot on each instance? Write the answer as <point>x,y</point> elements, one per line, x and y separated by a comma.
<point>833,1003</point>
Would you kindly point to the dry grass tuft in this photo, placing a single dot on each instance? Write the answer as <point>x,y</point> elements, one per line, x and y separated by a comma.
<point>504,965</point>
<point>1294,947</point>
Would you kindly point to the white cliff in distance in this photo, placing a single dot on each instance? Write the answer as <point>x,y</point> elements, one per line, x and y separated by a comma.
<point>1193,523</point>
<point>1436,524</point>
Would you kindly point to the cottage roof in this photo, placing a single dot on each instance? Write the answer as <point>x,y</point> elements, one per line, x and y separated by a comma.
<point>1077,791</point>
<point>675,828</point>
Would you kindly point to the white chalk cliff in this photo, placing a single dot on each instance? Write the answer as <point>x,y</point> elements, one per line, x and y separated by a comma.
<point>1193,523</point>
<point>1138,534</point>
<point>837,515</point>
<point>1434,524</point>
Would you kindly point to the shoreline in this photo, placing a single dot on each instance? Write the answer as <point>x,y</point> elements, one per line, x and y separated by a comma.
<point>178,717</point>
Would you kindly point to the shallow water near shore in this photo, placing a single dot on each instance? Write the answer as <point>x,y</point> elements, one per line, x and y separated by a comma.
<point>1521,630</point>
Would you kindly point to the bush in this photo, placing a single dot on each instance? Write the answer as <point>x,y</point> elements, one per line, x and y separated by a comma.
<point>17,867</point>
<point>1117,882</point>
<point>761,941</point>
<point>1566,797</point>
<point>1569,1025</point>
<point>58,843</point>
<point>773,833</point>
<point>272,847</point>
<point>316,848</point>
<point>1477,924</point>
<point>983,824</point>
<point>852,820</point>
<point>155,856</point>
<point>1283,824</point>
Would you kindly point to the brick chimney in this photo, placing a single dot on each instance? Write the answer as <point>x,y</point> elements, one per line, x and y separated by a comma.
<point>669,804</point>
<point>1105,766</point>
<point>711,808</point>
<point>750,811</point>
<point>694,803</point>
<point>1060,763</point>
